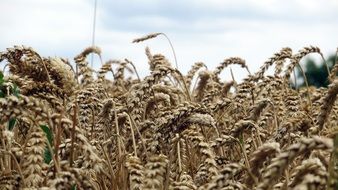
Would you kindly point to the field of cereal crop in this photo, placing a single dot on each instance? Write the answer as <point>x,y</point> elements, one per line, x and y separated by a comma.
<point>65,126</point>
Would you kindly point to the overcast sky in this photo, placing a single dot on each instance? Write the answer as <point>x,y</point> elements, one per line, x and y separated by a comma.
<point>200,30</point>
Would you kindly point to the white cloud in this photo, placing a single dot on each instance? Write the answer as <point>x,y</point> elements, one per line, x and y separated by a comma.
<point>46,25</point>
<point>201,30</point>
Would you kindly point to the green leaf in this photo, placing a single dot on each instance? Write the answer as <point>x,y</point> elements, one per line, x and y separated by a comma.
<point>48,156</point>
<point>16,90</point>
<point>241,139</point>
<point>11,123</point>
<point>74,187</point>
<point>48,133</point>
<point>2,94</point>
<point>1,78</point>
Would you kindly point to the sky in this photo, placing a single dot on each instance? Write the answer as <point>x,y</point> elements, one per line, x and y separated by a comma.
<point>200,30</point>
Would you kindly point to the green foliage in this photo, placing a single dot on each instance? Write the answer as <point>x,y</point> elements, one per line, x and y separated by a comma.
<point>11,123</point>
<point>1,78</point>
<point>49,134</point>
<point>316,73</point>
<point>2,94</point>
<point>47,156</point>
<point>15,91</point>
<point>13,88</point>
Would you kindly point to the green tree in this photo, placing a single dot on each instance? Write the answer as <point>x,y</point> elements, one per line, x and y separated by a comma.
<point>316,73</point>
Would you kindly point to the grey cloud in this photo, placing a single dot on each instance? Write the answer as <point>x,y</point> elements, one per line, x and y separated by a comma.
<point>186,16</point>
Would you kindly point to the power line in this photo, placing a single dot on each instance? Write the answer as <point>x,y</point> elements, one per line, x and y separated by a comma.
<point>93,36</point>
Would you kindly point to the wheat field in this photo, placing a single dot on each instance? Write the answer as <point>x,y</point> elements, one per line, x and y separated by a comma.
<point>71,127</point>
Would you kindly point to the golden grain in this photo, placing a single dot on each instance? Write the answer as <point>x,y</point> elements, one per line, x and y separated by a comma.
<point>161,131</point>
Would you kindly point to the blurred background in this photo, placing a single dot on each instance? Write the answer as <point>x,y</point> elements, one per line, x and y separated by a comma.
<point>200,30</point>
